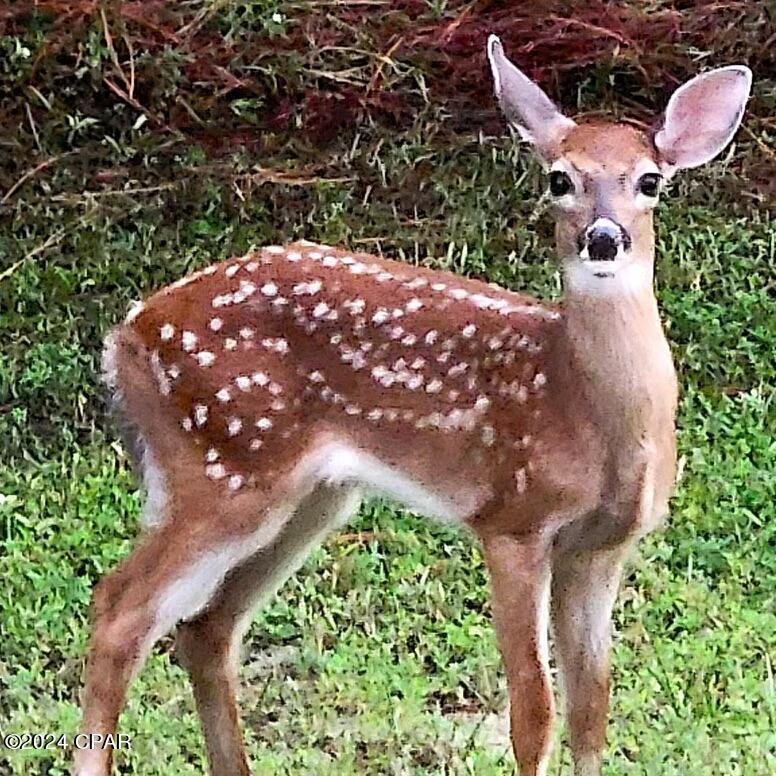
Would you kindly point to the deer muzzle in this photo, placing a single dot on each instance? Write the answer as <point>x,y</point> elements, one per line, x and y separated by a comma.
<point>603,240</point>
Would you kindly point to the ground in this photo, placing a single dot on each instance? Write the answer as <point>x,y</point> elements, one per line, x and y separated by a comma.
<point>378,657</point>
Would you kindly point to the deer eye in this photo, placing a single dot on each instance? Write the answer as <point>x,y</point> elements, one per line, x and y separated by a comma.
<point>560,183</point>
<point>649,184</point>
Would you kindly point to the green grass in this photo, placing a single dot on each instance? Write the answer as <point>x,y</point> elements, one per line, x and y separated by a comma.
<point>378,657</point>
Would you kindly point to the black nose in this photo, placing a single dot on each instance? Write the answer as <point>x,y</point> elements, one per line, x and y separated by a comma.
<point>601,247</point>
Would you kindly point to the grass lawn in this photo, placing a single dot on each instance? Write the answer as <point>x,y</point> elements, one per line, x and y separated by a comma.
<point>378,657</point>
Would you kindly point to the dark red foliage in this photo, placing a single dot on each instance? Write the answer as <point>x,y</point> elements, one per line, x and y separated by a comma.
<point>327,113</point>
<point>336,67</point>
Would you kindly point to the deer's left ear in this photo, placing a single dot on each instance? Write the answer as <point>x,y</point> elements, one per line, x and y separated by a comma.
<point>702,116</point>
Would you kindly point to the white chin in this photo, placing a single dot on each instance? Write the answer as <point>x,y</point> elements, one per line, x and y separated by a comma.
<point>606,277</point>
<point>602,269</point>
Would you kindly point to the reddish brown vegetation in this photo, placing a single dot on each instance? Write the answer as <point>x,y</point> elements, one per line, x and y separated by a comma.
<point>335,67</point>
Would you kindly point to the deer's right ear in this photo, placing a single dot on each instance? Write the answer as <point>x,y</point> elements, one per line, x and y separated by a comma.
<point>525,105</point>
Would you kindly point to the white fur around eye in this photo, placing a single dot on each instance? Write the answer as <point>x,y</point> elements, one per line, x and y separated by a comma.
<point>567,201</point>
<point>646,203</point>
<point>646,167</point>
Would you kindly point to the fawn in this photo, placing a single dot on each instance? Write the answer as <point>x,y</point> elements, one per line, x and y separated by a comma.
<point>265,393</point>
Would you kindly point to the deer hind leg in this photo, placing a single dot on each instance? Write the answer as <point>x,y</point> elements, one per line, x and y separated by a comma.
<point>171,575</point>
<point>209,645</point>
<point>584,589</point>
<point>520,575</point>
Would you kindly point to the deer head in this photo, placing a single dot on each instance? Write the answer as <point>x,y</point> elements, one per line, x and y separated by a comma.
<point>605,178</point>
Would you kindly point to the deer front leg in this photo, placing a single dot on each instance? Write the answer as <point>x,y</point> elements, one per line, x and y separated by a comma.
<point>520,577</point>
<point>584,588</point>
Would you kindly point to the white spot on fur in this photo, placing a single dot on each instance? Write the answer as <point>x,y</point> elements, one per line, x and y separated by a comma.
<point>166,332</point>
<point>355,306</point>
<point>416,283</point>
<point>188,341</point>
<point>521,481</point>
<point>200,415</point>
<point>215,471</point>
<point>279,345</point>
<point>482,403</point>
<point>307,289</point>
<point>159,373</point>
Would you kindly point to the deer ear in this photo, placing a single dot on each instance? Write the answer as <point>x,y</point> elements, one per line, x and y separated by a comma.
<point>526,107</point>
<point>702,116</point>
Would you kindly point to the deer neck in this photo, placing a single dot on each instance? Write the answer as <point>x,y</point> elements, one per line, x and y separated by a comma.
<point>619,355</point>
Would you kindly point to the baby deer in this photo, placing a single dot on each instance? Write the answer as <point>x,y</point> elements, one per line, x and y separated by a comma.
<point>265,392</point>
